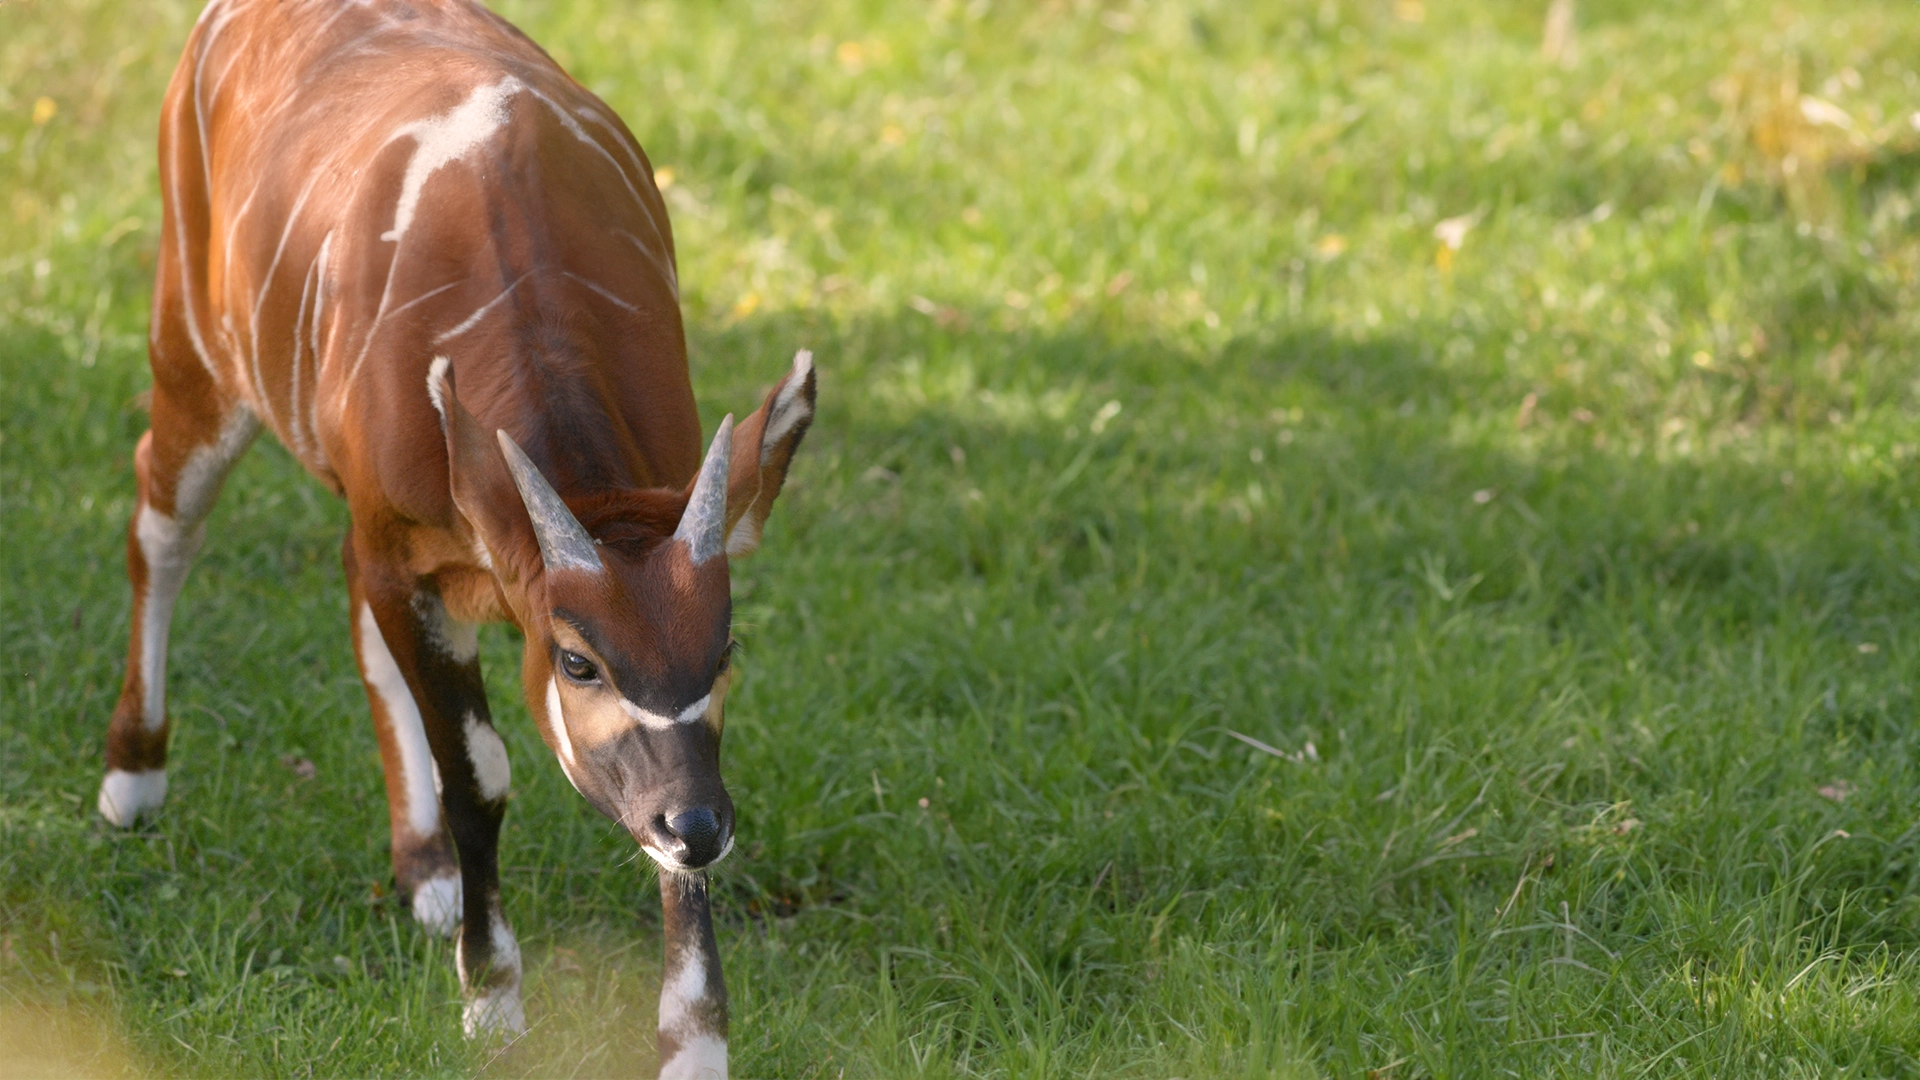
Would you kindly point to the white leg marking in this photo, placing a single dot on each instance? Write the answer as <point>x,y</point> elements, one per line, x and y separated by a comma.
<point>686,989</point>
<point>417,770</point>
<point>603,292</point>
<point>460,641</point>
<point>200,478</point>
<point>446,138</point>
<point>124,796</point>
<point>169,550</point>
<point>702,1057</point>
<point>436,905</point>
<point>497,1008</point>
<point>169,544</point>
<point>489,756</point>
<point>473,320</point>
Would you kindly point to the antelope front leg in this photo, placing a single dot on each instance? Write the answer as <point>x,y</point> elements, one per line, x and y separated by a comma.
<point>423,669</point>
<point>425,869</point>
<point>693,996</point>
<point>179,464</point>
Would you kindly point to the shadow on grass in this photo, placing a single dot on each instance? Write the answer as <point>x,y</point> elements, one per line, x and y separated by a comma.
<point>1021,589</point>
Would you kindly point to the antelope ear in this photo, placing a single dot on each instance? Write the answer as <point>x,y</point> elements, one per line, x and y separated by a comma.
<point>763,447</point>
<point>483,488</point>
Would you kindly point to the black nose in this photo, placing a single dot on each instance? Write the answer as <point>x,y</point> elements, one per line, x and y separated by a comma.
<point>694,836</point>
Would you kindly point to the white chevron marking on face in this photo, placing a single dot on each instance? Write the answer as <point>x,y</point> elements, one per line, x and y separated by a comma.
<point>658,722</point>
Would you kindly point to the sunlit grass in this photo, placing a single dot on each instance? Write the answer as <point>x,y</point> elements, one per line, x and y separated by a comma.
<point>1522,448</point>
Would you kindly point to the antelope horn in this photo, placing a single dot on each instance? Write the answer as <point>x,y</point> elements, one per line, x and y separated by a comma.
<point>703,528</point>
<point>564,544</point>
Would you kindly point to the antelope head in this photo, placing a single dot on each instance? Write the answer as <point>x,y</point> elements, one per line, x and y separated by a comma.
<point>628,632</point>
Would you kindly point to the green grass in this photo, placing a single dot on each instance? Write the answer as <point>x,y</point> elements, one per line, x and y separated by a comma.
<point>1152,410</point>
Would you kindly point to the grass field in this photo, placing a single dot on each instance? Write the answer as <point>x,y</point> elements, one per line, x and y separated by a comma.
<point>1520,446</point>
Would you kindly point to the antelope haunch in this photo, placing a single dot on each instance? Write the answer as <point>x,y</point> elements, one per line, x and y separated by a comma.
<point>439,269</point>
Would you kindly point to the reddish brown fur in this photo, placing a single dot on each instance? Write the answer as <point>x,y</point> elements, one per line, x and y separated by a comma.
<point>298,284</point>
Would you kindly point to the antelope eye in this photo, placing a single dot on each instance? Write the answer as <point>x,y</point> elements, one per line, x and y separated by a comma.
<point>578,668</point>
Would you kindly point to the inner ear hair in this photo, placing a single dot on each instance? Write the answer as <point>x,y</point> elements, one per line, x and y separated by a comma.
<point>776,430</point>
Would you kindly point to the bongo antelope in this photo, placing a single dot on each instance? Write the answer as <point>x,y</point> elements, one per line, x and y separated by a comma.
<point>398,235</point>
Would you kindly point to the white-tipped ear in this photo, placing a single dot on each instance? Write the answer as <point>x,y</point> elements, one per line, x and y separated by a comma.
<point>792,405</point>
<point>564,544</point>
<point>773,432</point>
<point>703,528</point>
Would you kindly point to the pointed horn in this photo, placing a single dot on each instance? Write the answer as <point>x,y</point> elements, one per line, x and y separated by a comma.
<point>703,528</point>
<point>564,545</point>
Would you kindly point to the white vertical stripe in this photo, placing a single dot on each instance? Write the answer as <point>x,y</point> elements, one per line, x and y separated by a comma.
<point>403,716</point>
<point>260,300</point>
<point>168,549</point>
